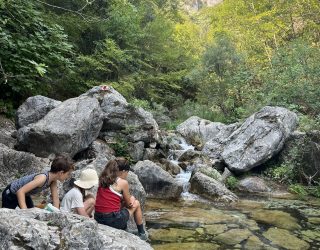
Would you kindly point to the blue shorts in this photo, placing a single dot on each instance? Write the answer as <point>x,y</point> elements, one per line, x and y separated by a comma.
<point>114,219</point>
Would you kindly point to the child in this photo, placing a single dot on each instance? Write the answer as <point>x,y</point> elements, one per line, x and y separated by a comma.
<point>75,200</point>
<point>113,190</point>
<point>19,192</point>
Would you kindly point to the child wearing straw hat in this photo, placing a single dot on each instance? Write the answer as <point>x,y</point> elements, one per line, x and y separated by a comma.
<point>75,200</point>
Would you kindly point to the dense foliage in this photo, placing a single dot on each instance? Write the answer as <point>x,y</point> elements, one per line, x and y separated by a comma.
<point>221,63</point>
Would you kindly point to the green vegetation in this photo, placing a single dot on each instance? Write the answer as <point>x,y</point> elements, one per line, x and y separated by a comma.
<point>220,63</point>
<point>232,182</point>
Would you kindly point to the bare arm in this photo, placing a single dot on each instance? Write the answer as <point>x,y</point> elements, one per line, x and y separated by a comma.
<point>125,191</point>
<point>38,181</point>
<point>54,194</point>
<point>82,211</point>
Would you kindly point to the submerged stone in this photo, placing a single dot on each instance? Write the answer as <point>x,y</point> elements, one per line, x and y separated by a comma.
<point>311,234</point>
<point>285,239</point>
<point>254,243</point>
<point>170,234</point>
<point>276,218</point>
<point>215,229</point>
<point>188,245</point>
<point>233,236</point>
<point>314,220</point>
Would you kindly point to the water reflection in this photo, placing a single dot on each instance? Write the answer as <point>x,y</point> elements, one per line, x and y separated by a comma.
<point>259,223</point>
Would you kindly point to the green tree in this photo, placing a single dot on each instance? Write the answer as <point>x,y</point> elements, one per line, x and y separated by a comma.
<point>32,51</point>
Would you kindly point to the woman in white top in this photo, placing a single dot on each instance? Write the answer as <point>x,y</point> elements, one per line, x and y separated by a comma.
<point>75,200</point>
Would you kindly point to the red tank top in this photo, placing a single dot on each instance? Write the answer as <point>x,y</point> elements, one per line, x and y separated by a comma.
<point>108,200</point>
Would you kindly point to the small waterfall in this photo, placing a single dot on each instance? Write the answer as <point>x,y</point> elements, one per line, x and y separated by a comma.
<point>184,176</point>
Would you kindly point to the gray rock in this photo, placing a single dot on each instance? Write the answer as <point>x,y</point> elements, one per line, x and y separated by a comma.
<point>210,188</point>
<point>153,154</point>
<point>199,131</point>
<point>253,184</point>
<point>136,150</point>
<point>70,128</point>
<point>170,167</point>
<point>38,229</point>
<point>136,189</point>
<point>136,123</point>
<point>156,182</point>
<point>207,170</point>
<point>15,164</point>
<point>34,109</point>
<point>7,131</point>
<point>259,138</point>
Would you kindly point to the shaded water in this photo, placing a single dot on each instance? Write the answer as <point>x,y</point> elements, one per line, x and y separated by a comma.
<point>251,223</point>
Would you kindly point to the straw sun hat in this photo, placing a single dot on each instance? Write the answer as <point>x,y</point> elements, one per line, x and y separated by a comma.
<point>88,178</point>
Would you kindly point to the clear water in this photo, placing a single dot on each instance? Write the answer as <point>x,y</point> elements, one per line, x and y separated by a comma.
<point>251,223</point>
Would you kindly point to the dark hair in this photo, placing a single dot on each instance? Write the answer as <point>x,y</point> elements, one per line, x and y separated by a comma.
<point>123,164</point>
<point>62,163</point>
<point>110,172</point>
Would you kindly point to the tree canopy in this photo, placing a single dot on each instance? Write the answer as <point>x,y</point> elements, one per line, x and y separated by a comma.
<point>227,60</point>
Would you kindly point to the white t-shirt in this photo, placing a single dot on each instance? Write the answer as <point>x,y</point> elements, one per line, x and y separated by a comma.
<point>73,199</point>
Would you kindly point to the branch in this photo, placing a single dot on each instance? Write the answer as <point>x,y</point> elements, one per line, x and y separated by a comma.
<point>4,73</point>
<point>61,8</point>
<point>78,12</point>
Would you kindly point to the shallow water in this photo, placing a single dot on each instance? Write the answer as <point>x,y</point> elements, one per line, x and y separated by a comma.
<point>251,223</point>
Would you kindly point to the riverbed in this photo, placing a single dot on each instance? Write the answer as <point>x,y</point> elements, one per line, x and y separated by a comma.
<point>254,222</point>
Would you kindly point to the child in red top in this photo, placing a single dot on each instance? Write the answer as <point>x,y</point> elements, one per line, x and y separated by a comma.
<point>113,191</point>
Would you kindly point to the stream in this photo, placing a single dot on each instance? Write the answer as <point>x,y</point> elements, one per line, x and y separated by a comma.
<point>250,223</point>
<point>274,221</point>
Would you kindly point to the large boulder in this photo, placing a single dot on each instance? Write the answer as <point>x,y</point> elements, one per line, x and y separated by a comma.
<point>120,116</point>
<point>259,138</point>
<point>70,128</point>
<point>157,182</point>
<point>14,164</point>
<point>34,109</point>
<point>198,131</point>
<point>210,188</point>
<point>7,132</point>
<point>38,229</point>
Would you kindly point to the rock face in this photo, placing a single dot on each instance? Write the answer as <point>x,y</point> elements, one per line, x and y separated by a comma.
<point>7,130</point>
<point>199,131</point>
<point>119,116</point>
<point>71,127</point>
<point>156,182</point>
<point>14,164</point>
<point>34,109</point>
<point>210,188</point>
<point>259,138</point>
<point>38,229</point>
<point>253,184</point>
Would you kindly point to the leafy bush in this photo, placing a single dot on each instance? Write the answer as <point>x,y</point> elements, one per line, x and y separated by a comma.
<point>298,189</point>
<point>120,147</point>
<point>283,173</point>
<point>232,182</point>
<point>141,104</point>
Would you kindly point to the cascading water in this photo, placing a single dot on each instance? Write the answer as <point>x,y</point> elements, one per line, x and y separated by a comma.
<point>184,176</point>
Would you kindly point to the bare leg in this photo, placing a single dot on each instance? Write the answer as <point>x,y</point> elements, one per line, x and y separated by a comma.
<point>89,202</point>
<point>135,210</point>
